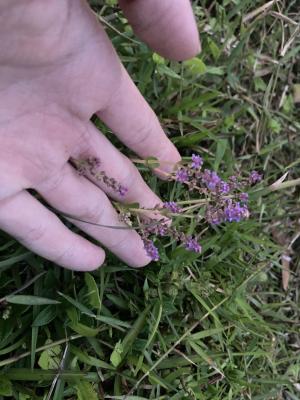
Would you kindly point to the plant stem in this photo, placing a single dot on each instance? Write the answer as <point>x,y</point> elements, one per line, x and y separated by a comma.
<point>45,347</point>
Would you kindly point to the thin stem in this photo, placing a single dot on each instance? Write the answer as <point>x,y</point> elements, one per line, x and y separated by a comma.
<point>203,201</point>
<point>45,347</point>
<point>105,22</point>
<point>24,286</point>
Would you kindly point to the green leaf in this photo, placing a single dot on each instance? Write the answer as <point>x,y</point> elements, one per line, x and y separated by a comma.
<point>83,329</point>
<point>274,125</point>
<point>59,390</point>
<point>23,396</point>
<point>72,314</point>
<point>156,317</point>
<point>27,374</point>
<point>45,316</point>
<point>221,148</point>
<point>118,301</point>
<point>122,348</point>
<point>76,303</point>
<point>196,66</point>
<point>5,264</point>
<point>107,320</point>
<point>34,338</point>
<point>207,333</point>
<point>215,70</point>
<point>93,292</point>
<point>5,386</point>
<point>214,49</point>
<point>112,321</point>
<point>50,358</point>
<point>152,162</point>
<point>164,70</point>
<point>30,300</point>
<point>180,254</point>
<point>259,84</point>
<point>130,398</point>
<point>85,358</point>
<point>202,353</point>
<point>158,59</point>
<point>85,391</point>
<point>116,355</point>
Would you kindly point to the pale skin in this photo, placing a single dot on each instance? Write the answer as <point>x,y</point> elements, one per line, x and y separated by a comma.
<point>57,69</point>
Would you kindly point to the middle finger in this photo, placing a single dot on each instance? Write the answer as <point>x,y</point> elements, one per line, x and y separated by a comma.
<point>74,195</point>
<point>115,165</point>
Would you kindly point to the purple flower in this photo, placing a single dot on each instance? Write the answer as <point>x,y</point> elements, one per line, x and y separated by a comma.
<point>215,216</point>
<point>235,212</point>
<point>216,220</point>
<point>197,161</point>
<point>182,175</point>
<point>224,187</point>
<point>233,182</point>
<point>122,190</point>
<point>211,179</point>
<point>151,249</point>
<point>93,161</point>
<point>162,230</point>
<point>172,206</point>
<point>255,177</point>
<point>244,197</point>
<point>191,244</point>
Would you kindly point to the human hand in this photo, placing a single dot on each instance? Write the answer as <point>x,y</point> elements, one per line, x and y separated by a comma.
<point>58,68</point>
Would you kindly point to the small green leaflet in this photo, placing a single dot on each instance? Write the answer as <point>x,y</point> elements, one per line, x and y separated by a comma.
<point>30,300</point>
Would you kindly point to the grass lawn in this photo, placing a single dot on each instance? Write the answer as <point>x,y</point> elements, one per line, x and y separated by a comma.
<point>220,325</point>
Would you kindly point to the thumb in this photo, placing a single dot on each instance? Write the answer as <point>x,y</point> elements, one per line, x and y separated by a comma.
<point>167,26</point>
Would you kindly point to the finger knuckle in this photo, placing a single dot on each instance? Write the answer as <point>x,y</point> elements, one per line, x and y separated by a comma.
<point>92,212</point>
<point>143,131</point>
<point>82,143</point>
<point>51,184</point>
<point>130,176</point>
<point>120,243</point>
<point>34,234</point>
<point>64,255</point>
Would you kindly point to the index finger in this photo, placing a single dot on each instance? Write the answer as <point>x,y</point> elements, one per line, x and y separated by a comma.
<point>167,26</point>
<point>132,119</point>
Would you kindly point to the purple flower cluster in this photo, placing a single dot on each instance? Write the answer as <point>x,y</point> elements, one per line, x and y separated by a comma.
<point>255,177</point>
<point>151,249</point>
<point>227,211</point>
<point>224,201</point>
<point>235,212</point>
<point>182,175</point>
<point>197,161</point>
<point>160,228</point>
<point>211,179</point>
<point>223,187</point>
<point>244,197</point>
<point>91,166</point>
<point>191,244</point>
<point>196,179</point>
<point>214,183</point>
<point>122,190</point>
<point>172,206</point>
